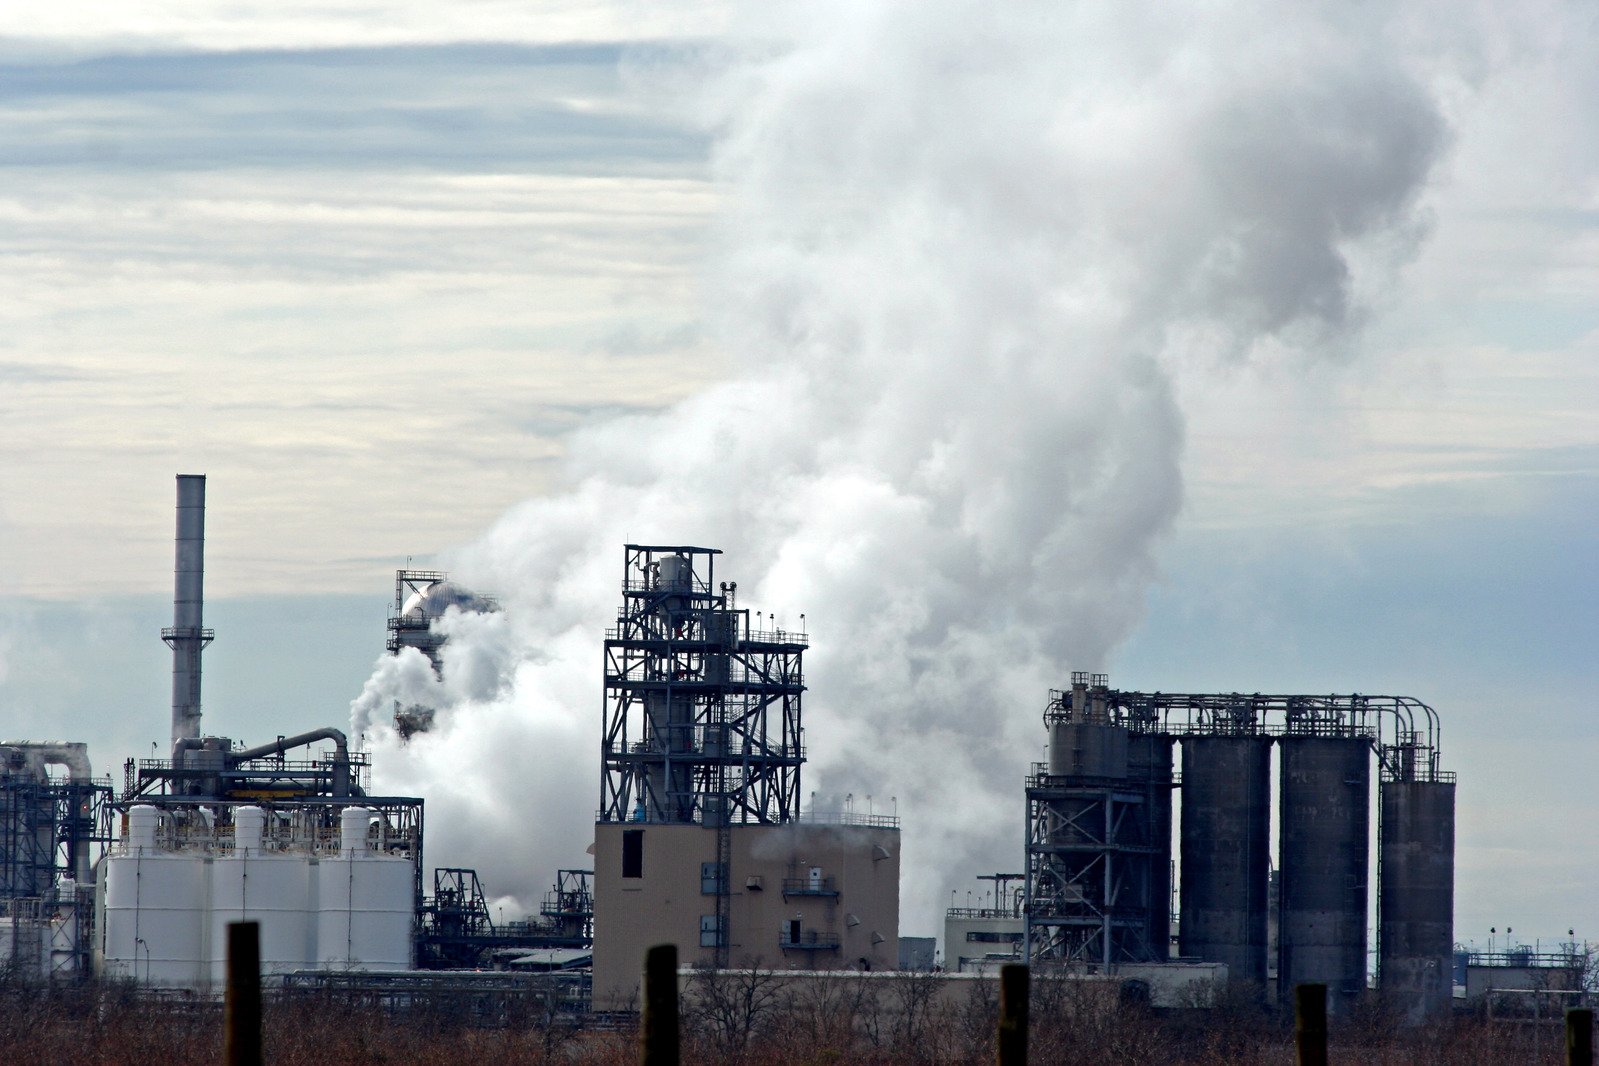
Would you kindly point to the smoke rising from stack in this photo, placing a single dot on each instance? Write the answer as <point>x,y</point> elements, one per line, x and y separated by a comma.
<point>963,256</point>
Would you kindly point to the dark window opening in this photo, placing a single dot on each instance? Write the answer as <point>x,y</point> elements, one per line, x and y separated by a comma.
<point>632,853</point>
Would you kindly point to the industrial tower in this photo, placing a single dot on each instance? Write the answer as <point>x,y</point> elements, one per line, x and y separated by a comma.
<point>700,838</point>
<point>703,708</point>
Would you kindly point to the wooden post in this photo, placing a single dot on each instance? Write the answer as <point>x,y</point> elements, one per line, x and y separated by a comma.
<point>1013,993</point>
<point>1310,1024</point>
<point>658,1038</point>
<point>241,1002</point>
<point>1579,1036</point>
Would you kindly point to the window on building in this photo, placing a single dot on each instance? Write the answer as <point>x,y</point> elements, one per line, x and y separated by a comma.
<point>710,931</point>
<point>712,874</point>
<point>983,936</point>
<point>632,853</point>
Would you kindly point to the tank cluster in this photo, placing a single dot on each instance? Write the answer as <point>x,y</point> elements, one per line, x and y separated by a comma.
<point>1098,884</point>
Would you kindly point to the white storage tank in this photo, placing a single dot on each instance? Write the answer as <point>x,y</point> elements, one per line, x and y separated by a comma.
<point>257,883</point>
<point>365,903</point>
<point>155,907</point>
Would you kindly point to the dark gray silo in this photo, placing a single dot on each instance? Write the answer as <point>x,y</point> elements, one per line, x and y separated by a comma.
<point>1226,852</point>
<point>1325,800</point>
<point>1149,766</point>
<point>1416,896</point>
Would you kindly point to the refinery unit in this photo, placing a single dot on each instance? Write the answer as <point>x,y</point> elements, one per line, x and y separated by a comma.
<point>1099,839</point>
<point>700,839</point>
<point>1148,843</point>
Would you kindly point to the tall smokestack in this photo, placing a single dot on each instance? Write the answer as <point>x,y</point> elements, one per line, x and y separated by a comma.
<point>187,637</point>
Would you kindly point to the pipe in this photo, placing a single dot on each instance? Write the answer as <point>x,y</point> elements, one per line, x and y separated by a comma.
<point>188,635</point>
<point>74,755</point>
<point>341,757</point>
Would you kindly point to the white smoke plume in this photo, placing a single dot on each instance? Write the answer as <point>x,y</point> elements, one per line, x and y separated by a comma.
<point>965,249</point>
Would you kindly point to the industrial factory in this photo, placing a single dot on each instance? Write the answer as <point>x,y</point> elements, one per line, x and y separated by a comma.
<point>1099,839</point>
<point>1162,843</point>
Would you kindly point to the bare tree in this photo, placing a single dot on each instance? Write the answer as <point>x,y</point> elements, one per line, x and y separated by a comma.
<point>913,1001</point>
<point>727,1007</point>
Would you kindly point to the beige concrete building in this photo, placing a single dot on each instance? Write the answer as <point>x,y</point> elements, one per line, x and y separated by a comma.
<point>805,895</point>
<point>981,939</point>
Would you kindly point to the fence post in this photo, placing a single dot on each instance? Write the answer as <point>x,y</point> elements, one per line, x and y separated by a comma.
<point>241,999</point>
<point>658,1037</point>
<point>1310,1024</point>
<point>1013,995</point>
<point>1579,1036</point>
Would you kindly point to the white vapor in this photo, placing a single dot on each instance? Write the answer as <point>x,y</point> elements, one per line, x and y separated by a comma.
<point>964,251</point>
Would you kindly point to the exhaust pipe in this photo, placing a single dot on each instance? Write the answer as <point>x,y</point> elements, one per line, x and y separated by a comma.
<point>187,636</point>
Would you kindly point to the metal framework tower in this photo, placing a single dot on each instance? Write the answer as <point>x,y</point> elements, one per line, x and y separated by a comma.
<point>702,708</point>
<point>47,831</point>
<point>702,719</point>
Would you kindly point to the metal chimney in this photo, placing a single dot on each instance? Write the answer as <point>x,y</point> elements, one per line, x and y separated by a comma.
<point>186,637</point>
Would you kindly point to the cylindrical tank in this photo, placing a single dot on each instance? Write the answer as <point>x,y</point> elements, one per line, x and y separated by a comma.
<point>1416,896</point>
<point>1325,819</point>
<point>155,908</point>
<point>677,574</point>
<point>1087,749</point>
<point>270,887</point>
<point>1226,851</point>
<point>1149,762</point>
<point>365,904</point>
<point>353,825</point>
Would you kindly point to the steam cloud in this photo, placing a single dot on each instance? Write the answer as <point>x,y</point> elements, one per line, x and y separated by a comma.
<point>965,251</point>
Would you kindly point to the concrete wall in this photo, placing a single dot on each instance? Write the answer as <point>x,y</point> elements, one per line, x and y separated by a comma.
<point>848,920</point>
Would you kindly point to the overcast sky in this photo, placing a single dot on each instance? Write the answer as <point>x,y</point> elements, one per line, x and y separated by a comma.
<point>375,268</point>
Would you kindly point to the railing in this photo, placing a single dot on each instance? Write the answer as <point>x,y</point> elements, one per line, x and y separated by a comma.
<point>805,886</point>
<point>808,941</point>
<point>981,912</point>
<point>848,818</point>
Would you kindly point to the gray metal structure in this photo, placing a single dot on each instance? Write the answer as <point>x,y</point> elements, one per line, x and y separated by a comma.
<point>1324,807</point>
<point>1416,886</point>
<point>187,636</point>
<point>49,827</point>
<point>1096,831</point>
<point>1226,852</point>
<point>703,708</point>
<point>1097,880</point>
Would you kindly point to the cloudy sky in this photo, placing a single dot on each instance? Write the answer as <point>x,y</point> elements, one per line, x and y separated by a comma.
<point>1227,350</point>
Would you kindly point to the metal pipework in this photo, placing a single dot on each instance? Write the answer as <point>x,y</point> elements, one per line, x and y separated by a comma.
<point>341,754</point>
<point>187,636</point>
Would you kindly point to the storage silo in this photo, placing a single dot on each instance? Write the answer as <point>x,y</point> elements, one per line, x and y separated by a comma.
<point>267,885</point>
<point>1416,896</point>
<point>364,901</point>
<point>1226,841</point>
<point>1149,763</point>
<point>1325,820</point>
<point>156,907</point>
